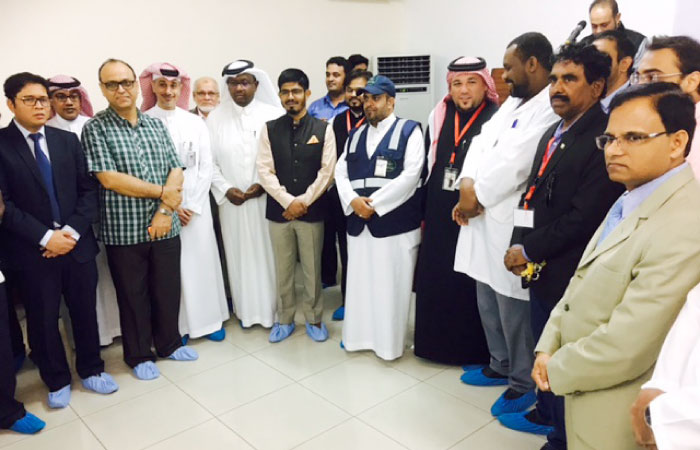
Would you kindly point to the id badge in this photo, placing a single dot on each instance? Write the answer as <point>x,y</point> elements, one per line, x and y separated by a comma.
<point>380,167</point>
<point>449,180</point>
<point>524,218</point>
<point>190,160</point>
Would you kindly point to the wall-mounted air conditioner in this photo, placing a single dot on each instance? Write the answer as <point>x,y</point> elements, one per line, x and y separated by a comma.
<point>413,77</point>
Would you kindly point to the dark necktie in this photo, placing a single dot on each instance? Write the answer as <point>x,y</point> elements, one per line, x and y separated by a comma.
<point>47,175</point>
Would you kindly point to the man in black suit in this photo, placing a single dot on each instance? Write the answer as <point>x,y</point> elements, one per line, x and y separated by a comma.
<point>567,196</point>
<point>12,412</point>
<point>51,203</point>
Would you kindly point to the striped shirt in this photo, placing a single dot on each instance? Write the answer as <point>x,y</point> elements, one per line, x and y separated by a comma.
<point>144,151</point>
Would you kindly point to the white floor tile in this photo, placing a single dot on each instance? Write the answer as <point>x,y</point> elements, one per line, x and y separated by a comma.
<point>351,435</point>
<point>425,418</point>
<point>359,383</point>
<point>299,356</point>
<point>74,436</point>
<point>211,435</point>
<point>420,369</point>
<point>232,384</point>
<point>479,396</point>
<point>283,419</point>
<point>146,420</point>
<point>211,354</point>
<point>494,436</point>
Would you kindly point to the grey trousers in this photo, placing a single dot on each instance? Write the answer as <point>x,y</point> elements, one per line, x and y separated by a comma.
<point>305,240</point>
<point>506,323</point>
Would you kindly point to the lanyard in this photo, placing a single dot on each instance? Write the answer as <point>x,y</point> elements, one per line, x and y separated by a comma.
<point>357,125</point>
<point>459,135</point>
<point>545,162</point>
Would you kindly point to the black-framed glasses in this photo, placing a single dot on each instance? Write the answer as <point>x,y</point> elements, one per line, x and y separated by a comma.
<point>114,85</point>
<point>31,101</point>
<point>655,77</point>
<point>245,84</point>
<point>62,98</point>
<point>206,94</point>
<point>626,139</point>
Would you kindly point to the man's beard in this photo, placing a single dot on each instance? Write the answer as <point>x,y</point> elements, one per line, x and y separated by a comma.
<point>206,109</point>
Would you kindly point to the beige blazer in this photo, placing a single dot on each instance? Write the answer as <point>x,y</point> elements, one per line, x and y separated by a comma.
<point>606,332</point>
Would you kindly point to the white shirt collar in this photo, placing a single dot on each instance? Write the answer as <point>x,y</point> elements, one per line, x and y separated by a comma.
<point>26,132</point>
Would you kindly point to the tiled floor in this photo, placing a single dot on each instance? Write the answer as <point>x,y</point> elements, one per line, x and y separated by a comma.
<point>245,393</point>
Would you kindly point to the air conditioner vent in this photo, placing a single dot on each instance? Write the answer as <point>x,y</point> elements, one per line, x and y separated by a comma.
<point>405,69</point>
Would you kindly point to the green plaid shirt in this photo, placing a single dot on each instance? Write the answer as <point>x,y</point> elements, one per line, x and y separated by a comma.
<point>144,151</point>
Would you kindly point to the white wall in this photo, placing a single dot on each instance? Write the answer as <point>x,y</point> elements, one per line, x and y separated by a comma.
<point>201,36</point>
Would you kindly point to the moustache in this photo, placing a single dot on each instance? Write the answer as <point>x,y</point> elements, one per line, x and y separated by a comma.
<point>561,97</point>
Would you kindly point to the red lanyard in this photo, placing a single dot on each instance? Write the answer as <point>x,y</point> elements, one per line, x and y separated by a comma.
<point>357,125</point>
<point>545,162</point>
<point>459,135</point>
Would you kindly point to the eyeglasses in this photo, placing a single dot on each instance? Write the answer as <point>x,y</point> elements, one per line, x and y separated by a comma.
<point>114,85</point>
<point>644,78</point>
<point>206,94</point>
<point>625,140</point>
<point>61,98</point>
<point>351,91</point>
<point>32,101</point>
<point>245,84</point>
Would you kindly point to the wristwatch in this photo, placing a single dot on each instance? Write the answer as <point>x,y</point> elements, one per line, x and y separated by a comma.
<point>165,212</point>
<point>647,416</point>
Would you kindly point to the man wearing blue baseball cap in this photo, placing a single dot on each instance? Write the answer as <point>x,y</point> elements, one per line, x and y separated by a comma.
<point>378,176</point>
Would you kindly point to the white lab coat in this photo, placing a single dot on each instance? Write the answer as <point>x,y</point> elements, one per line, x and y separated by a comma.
<point>500,160</point>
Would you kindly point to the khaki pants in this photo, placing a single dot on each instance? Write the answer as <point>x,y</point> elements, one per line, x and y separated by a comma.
<point>305,240</point>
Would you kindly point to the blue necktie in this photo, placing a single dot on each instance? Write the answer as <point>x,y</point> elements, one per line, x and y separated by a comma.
<point>614,218</point>
<point>47,174</point>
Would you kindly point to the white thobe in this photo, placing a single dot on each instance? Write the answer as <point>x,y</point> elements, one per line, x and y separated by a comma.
<point>203,308</point>
<point>75,126</point>
<point>234,133</point>
<point>500,160</point>
<point>675,415</point>
<point>107,308</point>
<point>380,270</point>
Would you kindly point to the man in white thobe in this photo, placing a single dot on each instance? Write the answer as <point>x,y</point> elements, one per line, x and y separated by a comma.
<point>165,90</point>
<point>377,178</point>
<point>492,180</point>
<point>667,411</point>
<point>234,127</point>
<point>71,104</point>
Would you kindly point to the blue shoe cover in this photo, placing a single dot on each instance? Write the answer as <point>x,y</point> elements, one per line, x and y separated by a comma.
<point>469,367</point>
<point>316,333</point>
<point>102,383</point>
<point>147,371</point>
<point>184,354</point>
<point>185,339</point>
<point>477,378</point>
<point>19,362</point>
<point>218,336</point>
<point>339,314</point>
<point>519,422</point>
<point>29,424</point>
<point>60,398</point>
<point>520,404</point>
<point>342,345</point>
<point>281,332</point>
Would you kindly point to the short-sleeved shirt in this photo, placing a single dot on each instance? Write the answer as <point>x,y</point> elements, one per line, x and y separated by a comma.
<point>145,151</point>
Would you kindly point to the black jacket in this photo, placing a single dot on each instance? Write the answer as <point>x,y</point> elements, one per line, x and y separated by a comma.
<point>636,37</point>
<point>28,209</point>
<point>572,197</point>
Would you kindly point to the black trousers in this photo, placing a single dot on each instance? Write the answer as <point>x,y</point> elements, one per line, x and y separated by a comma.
<point>10,409</point>
<point>41,286</point>
<point>334,225</point>
<point>549,406</point>
<point>147,280</point>
<point>14,297</point>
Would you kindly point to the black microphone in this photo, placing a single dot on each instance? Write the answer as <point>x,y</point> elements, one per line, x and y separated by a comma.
<point>574,34</point>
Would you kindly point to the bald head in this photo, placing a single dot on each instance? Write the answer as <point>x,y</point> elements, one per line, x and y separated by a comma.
<point>206,94</point>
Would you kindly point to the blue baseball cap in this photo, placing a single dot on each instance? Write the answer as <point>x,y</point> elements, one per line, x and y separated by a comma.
<point>379,84</point>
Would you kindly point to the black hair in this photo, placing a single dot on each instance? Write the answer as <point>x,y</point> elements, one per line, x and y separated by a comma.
<point>342,62</point>
<point>356,59</point>
<point>625,47</point>
<point>114,60</point>
<point>366,74</point>
<point>596,64</point>
<point>293,76</point>
<point>610,3</point>
<point>15,83</point>
<point>687,50</point>
<point>534,44</point>
<point>676,109</point>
